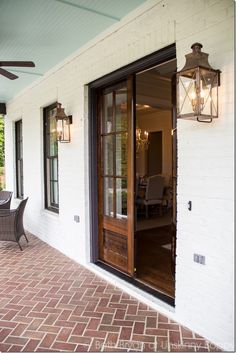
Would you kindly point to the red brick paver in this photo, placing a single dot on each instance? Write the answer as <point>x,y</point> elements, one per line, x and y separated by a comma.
<point>50,303</point>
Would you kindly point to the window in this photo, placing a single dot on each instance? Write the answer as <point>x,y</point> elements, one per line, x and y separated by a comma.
<point>51,160</point>
<point>19,160</point>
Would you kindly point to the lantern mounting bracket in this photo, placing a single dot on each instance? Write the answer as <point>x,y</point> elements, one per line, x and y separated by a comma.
<point>204,121</point>
<point>70,119</point>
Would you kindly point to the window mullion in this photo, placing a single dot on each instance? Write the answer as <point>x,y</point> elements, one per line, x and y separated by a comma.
<point>114,151</point>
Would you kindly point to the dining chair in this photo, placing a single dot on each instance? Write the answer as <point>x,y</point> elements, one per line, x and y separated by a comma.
<point>154,193</point>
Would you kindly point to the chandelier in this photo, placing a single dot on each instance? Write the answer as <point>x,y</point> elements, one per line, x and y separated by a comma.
<point>142,141</point>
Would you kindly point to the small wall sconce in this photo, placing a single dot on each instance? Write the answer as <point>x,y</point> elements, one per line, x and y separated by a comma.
<point>197,87</point>
<point>142,141</point>
<point>63,124</point>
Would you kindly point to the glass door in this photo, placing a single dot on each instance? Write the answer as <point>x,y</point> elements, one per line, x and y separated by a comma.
<point>115,176</point>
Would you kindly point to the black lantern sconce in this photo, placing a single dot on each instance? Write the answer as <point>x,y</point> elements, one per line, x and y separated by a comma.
<point>63,123</point>
<point>197,87</point>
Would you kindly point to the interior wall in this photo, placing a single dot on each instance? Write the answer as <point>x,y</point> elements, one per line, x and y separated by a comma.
<point>158,121</point>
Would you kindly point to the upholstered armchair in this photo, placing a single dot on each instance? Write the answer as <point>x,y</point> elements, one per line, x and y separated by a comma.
<point>154,193</point>
<point>11,224</point>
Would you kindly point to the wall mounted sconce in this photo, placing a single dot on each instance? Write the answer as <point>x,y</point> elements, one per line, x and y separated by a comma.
<point>197,87</point>
<point>63,123</point>
<point>142,141</point>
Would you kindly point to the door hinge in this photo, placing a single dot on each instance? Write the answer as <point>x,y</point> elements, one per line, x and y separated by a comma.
<point>173,131</point>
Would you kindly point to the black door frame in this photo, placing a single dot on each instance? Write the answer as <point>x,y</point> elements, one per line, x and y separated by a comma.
<point>151,60</point>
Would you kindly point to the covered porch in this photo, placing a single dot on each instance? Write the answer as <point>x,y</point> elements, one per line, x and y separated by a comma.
<point>112,68</point>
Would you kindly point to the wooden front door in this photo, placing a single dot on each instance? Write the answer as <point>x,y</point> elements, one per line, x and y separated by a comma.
<point>115,176</point>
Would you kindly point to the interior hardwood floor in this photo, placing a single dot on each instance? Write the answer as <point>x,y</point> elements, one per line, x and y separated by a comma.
<point>154,262</point>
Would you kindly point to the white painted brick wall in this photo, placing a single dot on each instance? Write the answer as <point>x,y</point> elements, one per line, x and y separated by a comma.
<point>204,294</point>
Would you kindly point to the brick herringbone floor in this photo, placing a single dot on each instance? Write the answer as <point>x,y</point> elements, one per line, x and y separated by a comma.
<point>50,303</point>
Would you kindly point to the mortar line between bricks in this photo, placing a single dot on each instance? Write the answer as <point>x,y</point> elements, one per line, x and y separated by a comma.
<point>118,338</point>
<point>168,340</point>
<point>70,335</point>
<point>181,336</point>
<point>155,342</point>
<point>35,347</point>
<point>90,344</point>
<point>52,341</point>
<point>132,330</point>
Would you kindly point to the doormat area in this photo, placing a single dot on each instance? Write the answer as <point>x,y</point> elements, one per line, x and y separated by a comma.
<point>167,246</point>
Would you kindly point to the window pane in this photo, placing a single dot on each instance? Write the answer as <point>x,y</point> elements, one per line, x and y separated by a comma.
<point>21,149</point>
<point>19,159</point>
<point>121,109</point>
<point>121,198</point>
<point>53,144</point>
<point>108,197</point>
<point>54,193</point>
<point>108,113</point>
<point>108,154</point>
<point>51,160</point>
<point>53,169</point>
<point>121,154</point>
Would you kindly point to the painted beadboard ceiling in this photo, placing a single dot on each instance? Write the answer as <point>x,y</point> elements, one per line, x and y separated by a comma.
<point>48,31</point>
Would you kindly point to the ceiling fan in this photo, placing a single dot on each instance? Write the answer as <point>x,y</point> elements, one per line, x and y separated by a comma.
<point>10,75</point>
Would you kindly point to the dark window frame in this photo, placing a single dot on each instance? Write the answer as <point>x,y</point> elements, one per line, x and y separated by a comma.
<point>19,159</point>
<point>48,170</point>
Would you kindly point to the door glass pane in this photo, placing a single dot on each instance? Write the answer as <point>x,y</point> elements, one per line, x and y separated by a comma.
<point>108,197</point>
<point>108,155</point>
<point>108,113</point>
<point>121,198</point>
<point>121,154</point>
<point>121,109</point>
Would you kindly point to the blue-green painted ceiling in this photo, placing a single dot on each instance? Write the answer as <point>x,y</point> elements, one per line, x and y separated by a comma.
<point>48,31</point>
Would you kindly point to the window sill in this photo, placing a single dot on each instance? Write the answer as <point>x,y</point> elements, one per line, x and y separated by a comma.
<point>50,213</point>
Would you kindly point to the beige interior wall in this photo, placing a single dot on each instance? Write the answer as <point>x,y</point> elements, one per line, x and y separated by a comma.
<point>158,121</point>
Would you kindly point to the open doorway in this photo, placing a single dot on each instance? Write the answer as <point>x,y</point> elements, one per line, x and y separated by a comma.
<point>132,141</point>
<point>155,162</point>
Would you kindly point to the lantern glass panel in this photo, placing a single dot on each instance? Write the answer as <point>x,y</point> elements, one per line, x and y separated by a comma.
<point>66,130</point>
<point>63,130</point>
<point>186,95</point>
<point>59,129</point>
<point>209,92</point>
<point>198,93</point>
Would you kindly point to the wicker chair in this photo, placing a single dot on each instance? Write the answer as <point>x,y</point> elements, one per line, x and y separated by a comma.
<point>11,224</point>
<point>5,200</point>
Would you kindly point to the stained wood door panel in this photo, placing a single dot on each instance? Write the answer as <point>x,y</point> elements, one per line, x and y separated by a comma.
<point>115,250</point>
<point>115,184</point>
<point>115,225</point>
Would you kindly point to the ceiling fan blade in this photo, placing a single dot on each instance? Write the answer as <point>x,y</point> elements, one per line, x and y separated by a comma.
<point>8,74</point>
<point>17,63</point>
